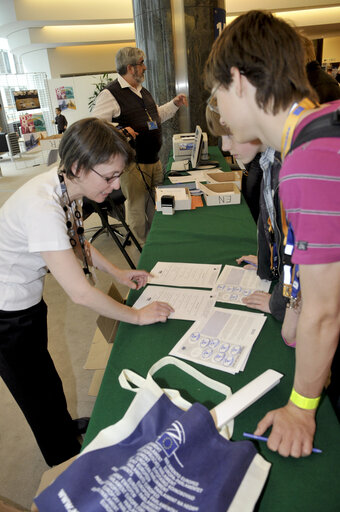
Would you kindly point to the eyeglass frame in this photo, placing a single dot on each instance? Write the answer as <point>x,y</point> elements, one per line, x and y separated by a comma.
<point>142,63</point>
<point>108,180</point>
<point>212,95</point>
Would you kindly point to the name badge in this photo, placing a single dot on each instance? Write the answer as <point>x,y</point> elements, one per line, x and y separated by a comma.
<point>152,125</point>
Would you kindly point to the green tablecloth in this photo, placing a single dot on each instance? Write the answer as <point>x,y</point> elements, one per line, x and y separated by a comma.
<point>219,235</point>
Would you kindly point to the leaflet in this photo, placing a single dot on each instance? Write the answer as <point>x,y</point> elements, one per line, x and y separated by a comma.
<point>195,275</point>
<point>235,283</point>
<point>188,304</point>
<point>222,341</point>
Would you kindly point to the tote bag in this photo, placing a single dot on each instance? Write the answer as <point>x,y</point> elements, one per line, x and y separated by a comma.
<point>160,457</point>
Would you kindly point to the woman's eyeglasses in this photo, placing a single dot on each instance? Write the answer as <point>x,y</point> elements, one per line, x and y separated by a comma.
<point>108,180</point>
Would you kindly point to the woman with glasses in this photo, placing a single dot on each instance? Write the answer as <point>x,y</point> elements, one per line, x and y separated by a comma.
<point>41,228</point>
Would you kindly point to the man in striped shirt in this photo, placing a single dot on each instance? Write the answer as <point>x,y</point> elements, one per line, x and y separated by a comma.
<point>256,71</point>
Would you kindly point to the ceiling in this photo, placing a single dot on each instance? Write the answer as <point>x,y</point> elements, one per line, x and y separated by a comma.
<point>35,24</point>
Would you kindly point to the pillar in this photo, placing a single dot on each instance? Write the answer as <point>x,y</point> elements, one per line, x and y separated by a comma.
<point>176,36</point>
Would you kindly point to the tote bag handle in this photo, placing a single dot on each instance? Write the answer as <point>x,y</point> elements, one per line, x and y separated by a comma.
<point>131,381</point>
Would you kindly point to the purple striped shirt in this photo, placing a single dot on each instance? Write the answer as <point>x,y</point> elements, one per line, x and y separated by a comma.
<point>310,192</point>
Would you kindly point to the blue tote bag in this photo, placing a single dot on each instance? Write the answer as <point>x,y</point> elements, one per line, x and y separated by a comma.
<point>160,457</point>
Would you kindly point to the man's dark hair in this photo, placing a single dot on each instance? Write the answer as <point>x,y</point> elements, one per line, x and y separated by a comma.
<point>89,142</point>
<point>268,52</point>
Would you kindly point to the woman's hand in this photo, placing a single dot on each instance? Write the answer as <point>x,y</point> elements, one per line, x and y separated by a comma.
<point>134,279</point>
<point>154,312</point>
<point>251,261</point>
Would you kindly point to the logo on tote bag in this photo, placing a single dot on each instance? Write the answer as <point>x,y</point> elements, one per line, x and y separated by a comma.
<point>171,440</point>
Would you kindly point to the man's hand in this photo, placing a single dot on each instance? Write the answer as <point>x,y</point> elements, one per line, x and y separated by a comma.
<point>292,432</point>
<point>251,261</point>
<point>180,100</point>
<point>258,300</point>
<point>131,131</point>
<point>155,312</point>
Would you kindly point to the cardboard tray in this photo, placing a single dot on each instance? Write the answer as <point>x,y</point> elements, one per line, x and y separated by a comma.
<point>218,194</point>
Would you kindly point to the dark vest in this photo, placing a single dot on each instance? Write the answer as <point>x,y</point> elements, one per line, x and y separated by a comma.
<point>133,113</point>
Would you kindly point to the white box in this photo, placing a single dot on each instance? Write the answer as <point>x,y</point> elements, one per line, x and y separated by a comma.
<point>182,144</point>
<point>224,177</point>
<point>182,197</point>
<point>51,142</point>
<point>216,194</point>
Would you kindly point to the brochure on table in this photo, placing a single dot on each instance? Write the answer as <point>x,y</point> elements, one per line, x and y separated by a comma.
<point>235,283</point>
<point>222,341</point>
<point>195,275</point>
<point>188,303</point>
<point>219,338</point>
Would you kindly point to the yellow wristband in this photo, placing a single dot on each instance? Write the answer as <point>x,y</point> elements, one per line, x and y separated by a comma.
<point>304,402</point>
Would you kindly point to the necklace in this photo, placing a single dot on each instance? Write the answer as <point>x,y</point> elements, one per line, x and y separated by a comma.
<point>75,229</point>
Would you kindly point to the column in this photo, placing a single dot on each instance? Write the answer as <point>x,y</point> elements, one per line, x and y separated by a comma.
<point>176,36</point>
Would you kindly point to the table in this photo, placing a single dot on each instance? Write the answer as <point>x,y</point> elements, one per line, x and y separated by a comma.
<point>214,235</point>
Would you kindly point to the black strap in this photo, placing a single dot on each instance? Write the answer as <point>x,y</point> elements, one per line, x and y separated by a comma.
<point>327,125</point>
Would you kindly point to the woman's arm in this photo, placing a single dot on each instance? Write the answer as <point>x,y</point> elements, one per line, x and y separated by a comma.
<point>132,278</point>
<point>67,271</point>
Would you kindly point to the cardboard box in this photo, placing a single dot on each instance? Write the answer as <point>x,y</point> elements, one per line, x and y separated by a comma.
<point>182,197</point>
<point>51,142</point>
<point>224,177</point>
<point>220,193</point>
<point>109,326</point>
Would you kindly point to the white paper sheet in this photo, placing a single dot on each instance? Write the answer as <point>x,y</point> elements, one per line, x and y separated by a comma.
<point>188,304</point>
<point>222,341</point>
<point>235,283</point>
<point>195,275</point>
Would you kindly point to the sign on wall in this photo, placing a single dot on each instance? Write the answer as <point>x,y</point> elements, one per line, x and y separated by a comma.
<point>65,97</point>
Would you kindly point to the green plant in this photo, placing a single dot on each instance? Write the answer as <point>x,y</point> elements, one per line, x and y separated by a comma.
<point>104,80</point>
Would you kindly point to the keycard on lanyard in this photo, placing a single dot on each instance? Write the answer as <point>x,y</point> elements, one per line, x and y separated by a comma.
<point>152,125</point>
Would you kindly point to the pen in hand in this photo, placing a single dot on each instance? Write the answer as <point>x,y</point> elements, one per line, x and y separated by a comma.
<point>262,438</point>
<point>250,263</point>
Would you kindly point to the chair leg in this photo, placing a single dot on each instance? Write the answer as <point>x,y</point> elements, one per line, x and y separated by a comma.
<point>104,218</point>
<point>122,220</point>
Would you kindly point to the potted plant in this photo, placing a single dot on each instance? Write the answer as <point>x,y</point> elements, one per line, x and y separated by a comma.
<point>104,80</point>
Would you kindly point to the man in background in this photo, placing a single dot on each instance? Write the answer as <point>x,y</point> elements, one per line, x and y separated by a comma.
<point>130,106</point>
<point>60,121</point>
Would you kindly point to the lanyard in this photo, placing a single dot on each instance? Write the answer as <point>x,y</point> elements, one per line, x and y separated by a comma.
<point>291,122</point>
<point>291,281</point>
<point>146,110</point>
<point>266,165</point>
<point>75,229</point>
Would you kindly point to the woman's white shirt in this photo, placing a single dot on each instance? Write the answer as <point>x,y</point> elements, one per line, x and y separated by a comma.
<point>32,220</point>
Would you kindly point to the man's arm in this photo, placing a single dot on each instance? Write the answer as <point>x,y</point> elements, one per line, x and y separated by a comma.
<point>318,330</point>
<point>168,110</point>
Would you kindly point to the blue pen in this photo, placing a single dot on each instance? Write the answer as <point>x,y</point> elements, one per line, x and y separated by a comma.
<point>250,263</point>
<point>262,438</point>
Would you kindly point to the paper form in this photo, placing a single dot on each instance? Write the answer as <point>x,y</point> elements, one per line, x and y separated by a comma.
<point>235,283</point>
<point>195,275</point>
<point>188,304</point>
<point>222,341</point>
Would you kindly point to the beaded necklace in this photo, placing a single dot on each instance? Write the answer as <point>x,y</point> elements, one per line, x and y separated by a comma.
<point>75,229</point>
